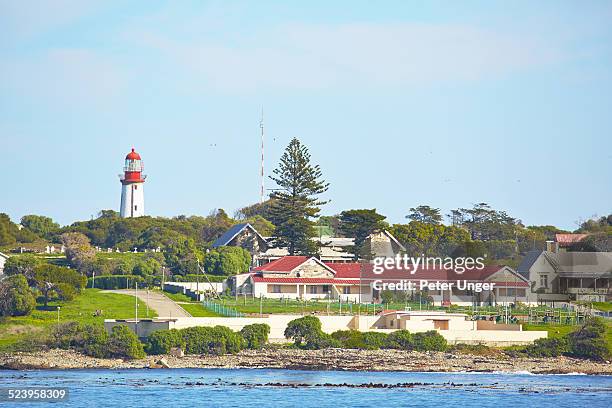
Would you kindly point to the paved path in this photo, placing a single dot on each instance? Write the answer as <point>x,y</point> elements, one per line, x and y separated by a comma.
<point>164,306</point>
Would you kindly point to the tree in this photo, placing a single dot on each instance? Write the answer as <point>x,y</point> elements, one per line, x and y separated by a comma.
<point>22,265</point>
<point>295,204</point>
<point>227,261</point>
<point>302,329</point>
<point>52,279</point>
<point>182,256</point>
<point>79,251</point>
<point>10,233</point>
<point>360,224</point>
<point>16,298</point>
<point>425,214</point>
<point>124,343</point>
<point>40,225</point>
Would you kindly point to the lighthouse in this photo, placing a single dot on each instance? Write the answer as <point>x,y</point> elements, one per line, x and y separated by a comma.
<point>132,183</point>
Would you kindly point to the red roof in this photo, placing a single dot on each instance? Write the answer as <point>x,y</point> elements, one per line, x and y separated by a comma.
<point>568,239</point>
<point>284,264</point>
<point>132,155</point>
<point>352,270</point>
<point>325,281</point>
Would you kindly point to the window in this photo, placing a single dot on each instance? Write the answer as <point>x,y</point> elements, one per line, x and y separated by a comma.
<point>135,208</point>
<point>135,186</point>
<point>544,281</point>
<point>312,290</point>
<point>346,290</point>
<point>326,289</point>
<point>275,289</point>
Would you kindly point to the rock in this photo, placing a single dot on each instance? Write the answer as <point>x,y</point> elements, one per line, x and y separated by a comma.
<point>177,352</point>
<point>163,363</point>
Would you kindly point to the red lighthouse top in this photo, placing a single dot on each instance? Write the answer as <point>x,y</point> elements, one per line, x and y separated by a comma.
<point>132,172</point>
<point>132,155</point>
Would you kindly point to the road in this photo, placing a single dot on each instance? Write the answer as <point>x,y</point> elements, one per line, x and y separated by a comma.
<point>164,306</point>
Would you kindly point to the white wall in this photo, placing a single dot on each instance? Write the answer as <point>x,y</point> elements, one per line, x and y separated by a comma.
<point>129,191</point>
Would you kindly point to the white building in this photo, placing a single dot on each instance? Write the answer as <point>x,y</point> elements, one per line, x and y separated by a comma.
<point>132,186</point>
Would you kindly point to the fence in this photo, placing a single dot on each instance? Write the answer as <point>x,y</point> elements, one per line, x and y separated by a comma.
<point>221,310</point>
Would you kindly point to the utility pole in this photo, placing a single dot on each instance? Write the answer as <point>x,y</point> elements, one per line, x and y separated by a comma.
<point>136,297</point>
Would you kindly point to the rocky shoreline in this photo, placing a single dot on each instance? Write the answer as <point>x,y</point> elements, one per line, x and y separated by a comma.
<point>331,359</point>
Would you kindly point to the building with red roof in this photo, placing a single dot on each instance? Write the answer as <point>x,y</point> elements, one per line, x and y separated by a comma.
<point>303,277</point>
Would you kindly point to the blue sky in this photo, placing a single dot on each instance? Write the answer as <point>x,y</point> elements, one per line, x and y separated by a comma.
<point>401,103</point>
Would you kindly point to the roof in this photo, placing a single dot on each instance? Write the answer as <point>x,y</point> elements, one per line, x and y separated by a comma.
<point>569,239</point>
<point>287,264</point>
<point>527,262</point>
<point>571,264</point>
<point>231,233</point>
<point>132,155</point>
<point>325,281</point>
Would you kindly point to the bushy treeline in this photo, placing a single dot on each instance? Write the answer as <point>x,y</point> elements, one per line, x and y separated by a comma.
<point>216,340</point>
<point>588,341</point>
<point>306,333</point>
<point>89,339</point>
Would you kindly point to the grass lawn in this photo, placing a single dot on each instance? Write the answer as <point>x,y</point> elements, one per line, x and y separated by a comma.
<point>81,308</point>
<point>179,297</point>
<point>603,306</point>
<point>197,310</point>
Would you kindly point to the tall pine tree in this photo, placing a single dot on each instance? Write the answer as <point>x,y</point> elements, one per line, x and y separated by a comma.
<point>295,203</point>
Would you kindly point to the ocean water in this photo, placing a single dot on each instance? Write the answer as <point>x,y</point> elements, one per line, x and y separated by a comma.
<point>290,388</point>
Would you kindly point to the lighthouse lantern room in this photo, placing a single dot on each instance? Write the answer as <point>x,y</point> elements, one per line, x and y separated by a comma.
<point>132,183</point>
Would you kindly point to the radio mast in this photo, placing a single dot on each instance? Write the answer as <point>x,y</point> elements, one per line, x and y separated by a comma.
<point>261,126</point>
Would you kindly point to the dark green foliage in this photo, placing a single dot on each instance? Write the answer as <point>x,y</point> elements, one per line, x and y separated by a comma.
<point>11,234</point>
<point>161,341</point>
<point>255,335</point>
<point>429,341</point>
<point>195,278</point>
<point>352,339</point>
<point>64,282</point>
<point>90,339</point>
<point>549,347</point>
<point>374,340</point>
<point>216,340</point>
<point>590,341</point>
<point>22,265</point>
<point>121,281</point>
<point>306,333</point>
<point>360,224</point>
<point>295,202</point>
<point>227,261</point>
<point>400,340</point>
<point>16,298</point>
<point>40,225</point>
<point>425,214</point>
<point>123,343</point>
<point>303,328</point>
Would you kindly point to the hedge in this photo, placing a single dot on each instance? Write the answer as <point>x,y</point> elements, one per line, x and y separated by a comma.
<point>121,281</point>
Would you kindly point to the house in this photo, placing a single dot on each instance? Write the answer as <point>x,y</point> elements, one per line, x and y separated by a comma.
<point>565,276</point>
<point>303,277</point>
<point>332,249</point>
<point>563,242</point>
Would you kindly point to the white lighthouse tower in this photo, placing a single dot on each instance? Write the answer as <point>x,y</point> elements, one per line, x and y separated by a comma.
<point>132,183</point>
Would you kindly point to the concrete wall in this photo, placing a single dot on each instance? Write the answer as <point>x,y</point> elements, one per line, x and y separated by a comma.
<point>458,332</point>
<point>129,191</point>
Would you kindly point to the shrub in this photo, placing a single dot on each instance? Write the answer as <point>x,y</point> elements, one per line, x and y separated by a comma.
<point>552,347</point>
<point>211,340</point>
<point>300,330</point>
<point>352,339</point>
<point>255,335</point>
<point>16,297</point>
<point>590,341</point>
<point>90,339</point>
<point>161,341</point>
<point>399,339</point>
<point>374,340</point>
<point>429,341</point>
<point>123,343</point>
<point>119,281</point>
